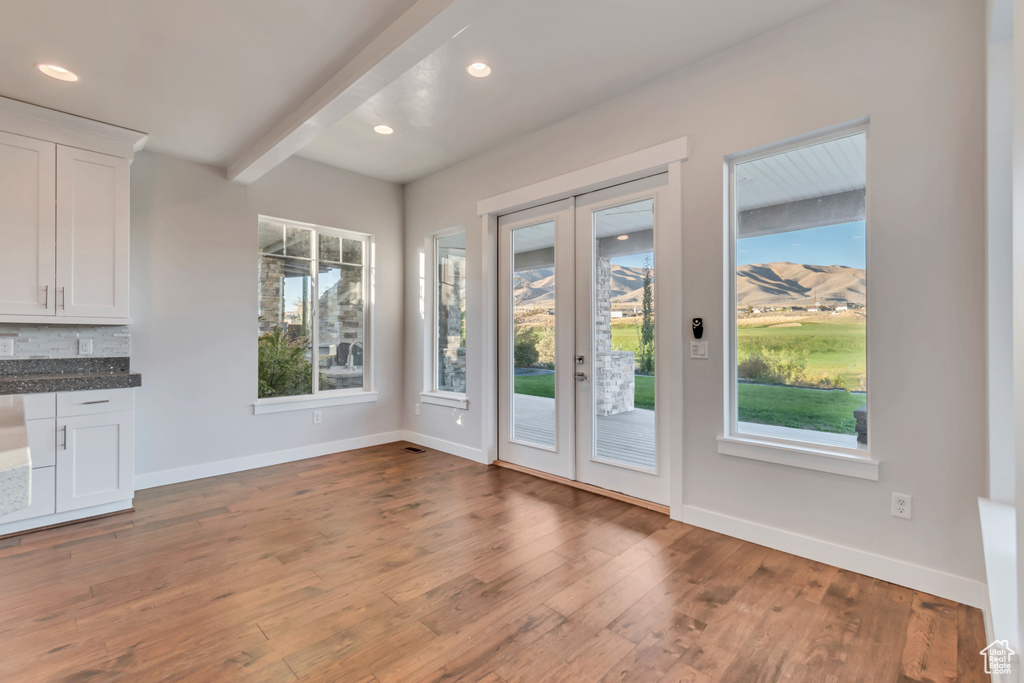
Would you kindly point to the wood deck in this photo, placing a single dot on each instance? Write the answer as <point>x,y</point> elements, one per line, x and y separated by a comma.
<point>626,438</point>
<point>382,566</point>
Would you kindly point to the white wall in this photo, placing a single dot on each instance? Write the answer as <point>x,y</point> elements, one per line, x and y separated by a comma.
<point>917,68</point>
<point>194,304</point>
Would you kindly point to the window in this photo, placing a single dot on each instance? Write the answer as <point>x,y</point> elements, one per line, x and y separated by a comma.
<point>449,330</point>
<point>798,374</point>
<point>312,292</point>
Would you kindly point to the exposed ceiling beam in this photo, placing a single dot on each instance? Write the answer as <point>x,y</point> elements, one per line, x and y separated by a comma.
<point>421,30</point>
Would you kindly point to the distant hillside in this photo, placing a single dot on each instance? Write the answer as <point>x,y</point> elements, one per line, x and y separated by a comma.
<point>761,284</point>
<point>796,284</point>
<point>537,287</point>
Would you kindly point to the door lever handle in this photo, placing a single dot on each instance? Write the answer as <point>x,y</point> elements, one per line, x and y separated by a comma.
<point>581,377</point>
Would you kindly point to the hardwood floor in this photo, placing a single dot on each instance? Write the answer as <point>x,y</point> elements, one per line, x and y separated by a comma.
<point>383,566</point>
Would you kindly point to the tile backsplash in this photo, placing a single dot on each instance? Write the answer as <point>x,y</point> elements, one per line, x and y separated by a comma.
<point>61,341</point>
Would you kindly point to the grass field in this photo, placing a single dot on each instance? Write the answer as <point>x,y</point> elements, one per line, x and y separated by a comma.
<point>823,411</point>
<point>544,385</point>
<point>833,348</point>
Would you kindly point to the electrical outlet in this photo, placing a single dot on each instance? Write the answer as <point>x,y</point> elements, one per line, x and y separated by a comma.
<point>417,408</point>
<point>85,347</point>
<point>318,417</point>
<point>6,347</point>
<point>902,505</point>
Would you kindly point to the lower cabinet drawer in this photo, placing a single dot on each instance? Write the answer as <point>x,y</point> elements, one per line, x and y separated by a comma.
<point>43,497</point>
<point>73,403</point>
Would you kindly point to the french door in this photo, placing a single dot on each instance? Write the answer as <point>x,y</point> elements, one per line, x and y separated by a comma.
<point>578,339</point>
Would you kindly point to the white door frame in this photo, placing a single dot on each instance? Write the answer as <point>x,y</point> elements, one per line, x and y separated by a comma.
<point>666,157</point>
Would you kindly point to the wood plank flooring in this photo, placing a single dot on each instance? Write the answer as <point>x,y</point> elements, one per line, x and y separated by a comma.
<point>380,566</point>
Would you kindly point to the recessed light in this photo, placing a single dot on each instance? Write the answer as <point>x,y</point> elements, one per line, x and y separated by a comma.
<point>478,69</point>
<point>58,72</point>
<point>623,237</point>
<point>384,130</point>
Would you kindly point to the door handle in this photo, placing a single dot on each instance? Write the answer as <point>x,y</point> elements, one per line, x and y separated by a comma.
<point>63,299</point>
<point>581,377</point>
<point>64,444</point>
<point>92,403</point>
<point>46,297</point>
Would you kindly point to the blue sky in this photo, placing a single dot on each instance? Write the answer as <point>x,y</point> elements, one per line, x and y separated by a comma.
<point>634,261</point>
<point>833,245</point>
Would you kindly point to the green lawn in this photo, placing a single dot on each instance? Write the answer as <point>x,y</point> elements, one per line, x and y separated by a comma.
<point>824,411</point>
<point>832,348</point>
<point>544,385</point>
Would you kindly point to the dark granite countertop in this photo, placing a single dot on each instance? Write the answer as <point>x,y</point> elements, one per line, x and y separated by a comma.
<point>41,375</point>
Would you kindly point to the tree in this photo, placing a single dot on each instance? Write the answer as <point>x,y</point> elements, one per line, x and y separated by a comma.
<point>524,351</point>
<point>645,345</point>
<point>284,369</point>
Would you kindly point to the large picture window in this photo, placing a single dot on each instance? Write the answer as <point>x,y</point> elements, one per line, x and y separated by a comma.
<point>450,313</point>
<point>799,299</point>
<point>313,310</point>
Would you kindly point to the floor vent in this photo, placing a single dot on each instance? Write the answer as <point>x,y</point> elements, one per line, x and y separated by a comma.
<point>414,449</point>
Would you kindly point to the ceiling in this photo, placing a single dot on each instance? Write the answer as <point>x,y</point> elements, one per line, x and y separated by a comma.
<point>203,78</point>
<point>210,80</point>
<point>549,60</point>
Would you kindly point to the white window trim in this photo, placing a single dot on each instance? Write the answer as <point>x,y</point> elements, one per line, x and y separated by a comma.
<point>282,404</point>
<point>428,313</point>
<point>449,399</point>
<point>336,397</point>
<point>812,456</point>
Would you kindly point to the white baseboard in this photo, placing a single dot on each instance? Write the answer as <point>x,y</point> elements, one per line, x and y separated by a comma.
<point>468,452</point>
<point>148,480</point>
<point>949,586</point>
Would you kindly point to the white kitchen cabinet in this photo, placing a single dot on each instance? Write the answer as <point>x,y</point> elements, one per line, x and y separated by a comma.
<point>42,502</point>
<point>27,225</point>
<point>92,234</point>
<point>83,457</point>
<point>64,217</point>
<point>95,461</point>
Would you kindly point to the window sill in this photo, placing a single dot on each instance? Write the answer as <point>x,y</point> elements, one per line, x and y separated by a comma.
<point>808,456</point>
<point>443,398</point>
<point>282,405</point>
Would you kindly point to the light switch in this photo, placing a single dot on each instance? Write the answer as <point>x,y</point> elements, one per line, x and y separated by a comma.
<point>699,349</point>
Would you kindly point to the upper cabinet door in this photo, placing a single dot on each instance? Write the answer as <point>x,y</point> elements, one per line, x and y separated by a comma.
<point>27,237</point>
<point>92,234</point>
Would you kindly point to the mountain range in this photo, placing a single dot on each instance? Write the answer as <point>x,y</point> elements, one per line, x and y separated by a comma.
<point>798,284</point>
<point>760,284</point>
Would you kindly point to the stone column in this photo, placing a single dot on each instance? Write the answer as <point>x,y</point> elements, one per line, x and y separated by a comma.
<point>613,380</point>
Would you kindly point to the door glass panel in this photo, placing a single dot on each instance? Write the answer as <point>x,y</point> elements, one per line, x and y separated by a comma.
<point>623,381</point>
<point>533,327</point>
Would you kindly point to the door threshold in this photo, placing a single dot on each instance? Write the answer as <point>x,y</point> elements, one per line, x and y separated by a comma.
<point>657,507</point>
